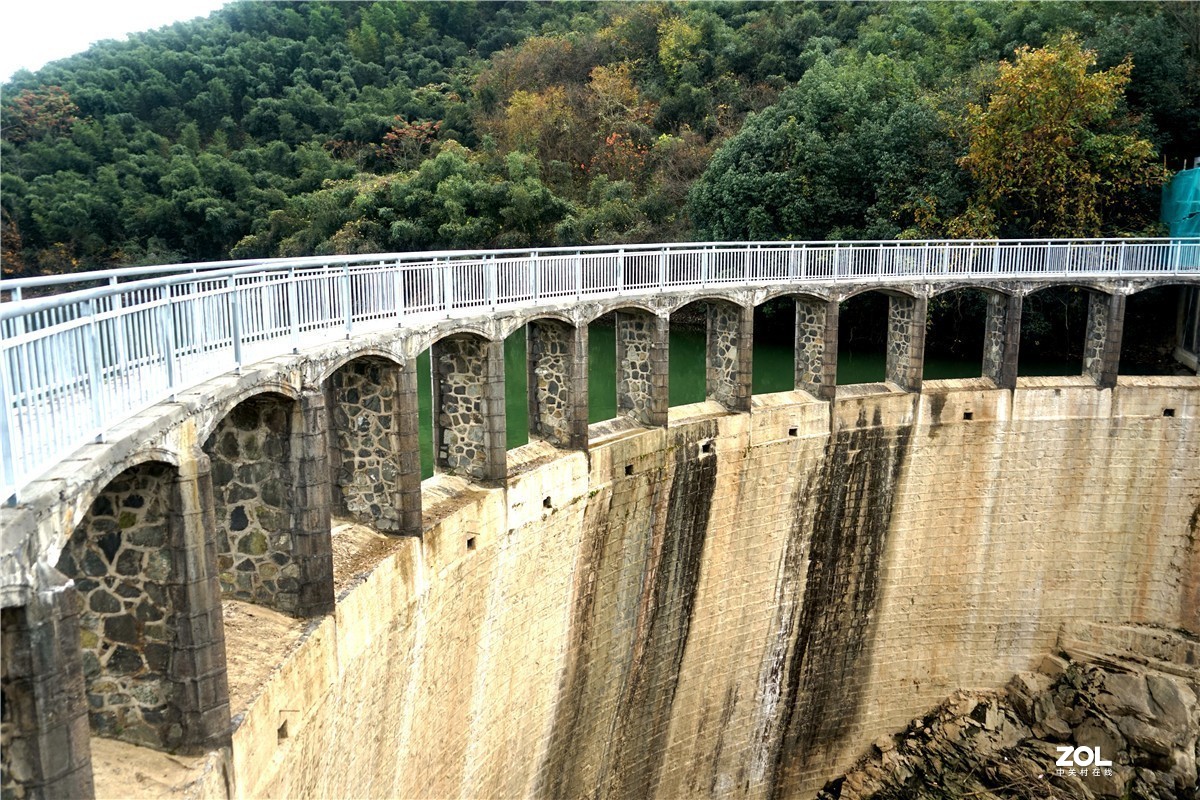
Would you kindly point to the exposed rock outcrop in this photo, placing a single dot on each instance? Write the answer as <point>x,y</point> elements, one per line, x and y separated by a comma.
<point>1122,695</point>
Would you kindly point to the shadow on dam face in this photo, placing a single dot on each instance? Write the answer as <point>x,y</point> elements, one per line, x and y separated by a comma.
<point>821,657</point>
<point>654,623</point>
<point>819,648</point>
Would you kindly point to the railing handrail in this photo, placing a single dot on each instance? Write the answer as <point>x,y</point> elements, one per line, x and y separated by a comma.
<point>209,267</point>
<point>75,362</point>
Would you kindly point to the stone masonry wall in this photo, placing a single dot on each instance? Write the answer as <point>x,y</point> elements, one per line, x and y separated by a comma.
<point>726,358</point>
<point>253,494</point>
<point>641,374</point>
<point>737,606</point>
<point>44,738</point>
<point>550,405</point>
<point>1001,339</point>
<point>121,560</point>
<point>365,430</point>
<point>460,371</point>
<point>1102,337</point>
<point>906,341</point>
<point>816,347</point>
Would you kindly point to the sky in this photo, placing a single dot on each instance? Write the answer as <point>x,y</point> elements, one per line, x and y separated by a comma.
<point>35,32</point>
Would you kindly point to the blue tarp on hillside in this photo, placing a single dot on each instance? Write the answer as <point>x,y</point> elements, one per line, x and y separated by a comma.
<point>1181,203</point>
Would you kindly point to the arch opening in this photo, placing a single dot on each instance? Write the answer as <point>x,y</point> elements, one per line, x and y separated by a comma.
<point>955,333</point>
<point>1053,329</point>
<point>688,362</point>
<point>776,330</point>
<point>602,368</point>
<point>125,557</point>
<point>1161,332</point>
<point>862,338</point>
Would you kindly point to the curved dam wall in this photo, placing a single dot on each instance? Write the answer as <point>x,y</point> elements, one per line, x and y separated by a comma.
<point>738,604</point>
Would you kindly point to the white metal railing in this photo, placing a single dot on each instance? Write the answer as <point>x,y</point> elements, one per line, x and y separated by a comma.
<point>76,362</point>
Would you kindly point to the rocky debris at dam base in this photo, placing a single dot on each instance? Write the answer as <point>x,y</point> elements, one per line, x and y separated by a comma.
<point>1052,733</point>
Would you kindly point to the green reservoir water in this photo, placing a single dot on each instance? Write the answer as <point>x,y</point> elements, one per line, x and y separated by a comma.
<point>773,372</point>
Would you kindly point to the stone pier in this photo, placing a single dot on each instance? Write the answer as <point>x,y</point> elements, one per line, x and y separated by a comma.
<point>44,738</point>
<point>906,341</point>
<point>729,353</point>
<point>377,470</point>
<point>1002,339</point>
<point>153,645</point>
<point>642,349</point>
<point>1102,342</point>
<point>256,502</point>
<point>558,383</point>
<point>816,346</point>
<point>312,544</point>
<point>468,407</point>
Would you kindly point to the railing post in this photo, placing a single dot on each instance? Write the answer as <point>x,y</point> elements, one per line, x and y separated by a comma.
<point>578,275</point>
<point>533,276</point>
<point>662,269</point>
<point>491,270</point>
<point>1176,254</point>
<point>347,307</point>
<point>746,266</point>
<point>169,338</point>
<point>119,340</point>
<point>293,309</point>
<point>235,316</point>
<point>704,251</point>
<point>996,258</point>
<point>621,271</point>
<point>399,287</point>
<point>91,357</point>
<point>8,464</point>
<point>447,285</point>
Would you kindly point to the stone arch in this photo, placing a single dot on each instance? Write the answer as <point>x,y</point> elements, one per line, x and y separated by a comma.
<point>374,457</point>
<point>253,456</point>
<point>904,332</point>
<point>105,473</point>
<point>1097,286</point>
<point>222,407</point>
<point>150,626</point>
<point>333,365</point>
<point>953,286</point>
<point>790,291</point>
<point>460,328</point>
<point>899,290</point>
<point>642,341</point>
<point>627,304</point>
<point>708,296</point>
<point>1166,318</point>
<point>986,321</point>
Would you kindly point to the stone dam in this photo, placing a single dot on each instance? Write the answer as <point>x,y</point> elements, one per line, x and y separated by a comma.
<point>246,590</point>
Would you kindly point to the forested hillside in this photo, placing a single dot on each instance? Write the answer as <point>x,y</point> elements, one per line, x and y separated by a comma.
<point>310,128</point>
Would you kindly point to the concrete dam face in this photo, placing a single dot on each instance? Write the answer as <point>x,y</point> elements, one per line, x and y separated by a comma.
<point>735,605</point>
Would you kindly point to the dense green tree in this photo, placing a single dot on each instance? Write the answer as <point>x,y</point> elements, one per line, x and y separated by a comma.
<point>295,128</point>
<point>1050,152</point>
<point>847,153</point>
